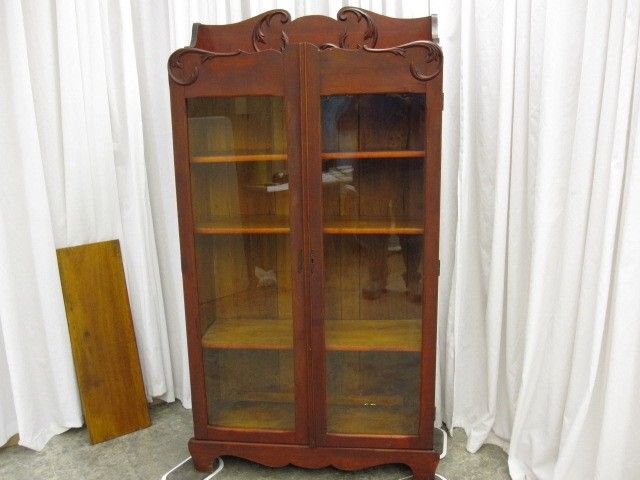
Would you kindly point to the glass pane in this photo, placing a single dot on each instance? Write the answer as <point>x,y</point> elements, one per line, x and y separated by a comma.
<point>240,197</point>
<point>373,156</point>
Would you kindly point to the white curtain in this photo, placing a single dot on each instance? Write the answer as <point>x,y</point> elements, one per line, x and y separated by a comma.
<point>78,166</point>
<point>540,311</point>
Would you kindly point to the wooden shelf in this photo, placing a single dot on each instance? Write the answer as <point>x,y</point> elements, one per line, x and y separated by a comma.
<point>280,224</point>
<point>341,335</point>
<point>244,224</point>
<point>253,414</point>
<point>371,419</point>
<point>373,154</point>
<point>253,157</point>
<point>373,335</point>
<point>250,333</point>
<point>344,225</point>
<point>341,418</point>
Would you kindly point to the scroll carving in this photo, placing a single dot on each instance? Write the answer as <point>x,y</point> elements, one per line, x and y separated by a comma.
<point>433,55</point>
<point>433,52</point>
<point>176,64</point>
<point>371,33</point>
<point>186,72</point>
<point>259,36</point>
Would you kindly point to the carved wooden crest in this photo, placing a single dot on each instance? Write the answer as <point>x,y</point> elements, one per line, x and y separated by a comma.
<point>269,32</point>
<point>259,36</point>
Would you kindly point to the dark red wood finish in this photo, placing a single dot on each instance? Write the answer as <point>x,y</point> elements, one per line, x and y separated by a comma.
<point>423,463</point>
<point>242,74</point>
<point>350,28</point>
<point>344,71</point>
<point>360,52</point>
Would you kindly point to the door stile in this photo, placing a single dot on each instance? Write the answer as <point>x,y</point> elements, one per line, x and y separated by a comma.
<point>187,247</point>
<point>431,262</point>
<point>295,142</point>
<point>310,124</point>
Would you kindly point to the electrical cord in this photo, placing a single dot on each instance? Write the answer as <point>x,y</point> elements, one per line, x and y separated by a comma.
<point>445,445</point>
<point>411,476</point>
<point>208,477</point>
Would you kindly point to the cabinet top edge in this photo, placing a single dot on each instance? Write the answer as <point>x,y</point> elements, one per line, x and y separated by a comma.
<point>352,27</point>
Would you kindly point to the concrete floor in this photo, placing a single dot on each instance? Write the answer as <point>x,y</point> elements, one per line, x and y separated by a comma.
<point>150,453</point>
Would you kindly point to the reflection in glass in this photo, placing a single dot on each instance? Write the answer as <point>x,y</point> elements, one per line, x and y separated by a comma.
<point>250,388</point>
<point>373,191</point>
<point>376,122</point>
<point>377,248</point>
<point>386,402</point>
<point>236,126</point>
<point>240,205</point>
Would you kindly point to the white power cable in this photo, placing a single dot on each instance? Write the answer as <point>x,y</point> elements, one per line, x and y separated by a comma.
<point>164,477</point>
<point>208,477</point>
<point>411,476</point>
<point>445,442</point>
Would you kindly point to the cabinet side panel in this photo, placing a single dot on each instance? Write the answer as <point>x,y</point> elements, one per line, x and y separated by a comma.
<point>431,262</point>
<point>187,249</point>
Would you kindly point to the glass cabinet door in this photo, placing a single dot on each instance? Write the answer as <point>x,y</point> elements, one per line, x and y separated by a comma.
<point>240,204</point>
<point>373,226</point>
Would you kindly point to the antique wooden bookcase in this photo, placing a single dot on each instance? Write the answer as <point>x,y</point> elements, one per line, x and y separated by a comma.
<point>307,159</point>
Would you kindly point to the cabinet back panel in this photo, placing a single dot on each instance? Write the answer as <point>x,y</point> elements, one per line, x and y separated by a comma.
<point>250,389</point>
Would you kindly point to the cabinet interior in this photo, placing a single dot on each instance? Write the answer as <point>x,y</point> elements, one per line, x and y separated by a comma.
<point>372,188</point>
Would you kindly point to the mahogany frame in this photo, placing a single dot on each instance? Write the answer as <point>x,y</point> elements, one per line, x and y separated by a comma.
<point>302,60</point>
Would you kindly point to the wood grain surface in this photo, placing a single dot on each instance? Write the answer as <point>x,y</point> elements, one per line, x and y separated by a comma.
<point>343,335</point>
<point>238,158</point>
<point>103,340</point>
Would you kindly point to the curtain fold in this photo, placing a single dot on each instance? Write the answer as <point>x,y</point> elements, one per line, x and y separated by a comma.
<point>545,99</point>
<point>73,129</point>
<point>35,350</point>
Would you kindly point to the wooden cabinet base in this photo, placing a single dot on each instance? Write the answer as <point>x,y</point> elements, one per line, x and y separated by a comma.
<point>423,463</point>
